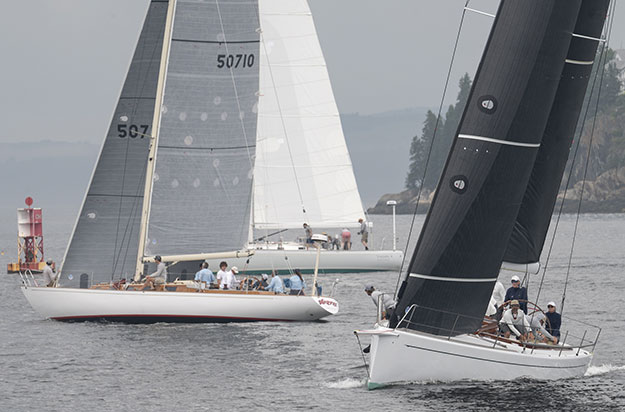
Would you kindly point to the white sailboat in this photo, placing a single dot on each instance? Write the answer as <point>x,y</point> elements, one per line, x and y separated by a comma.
<point>493,206</point>
<point>303,172</point>
<point>174,178</point>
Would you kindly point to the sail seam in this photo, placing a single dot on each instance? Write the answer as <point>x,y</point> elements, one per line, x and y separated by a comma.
<point>493,140</point>
<point>446,279</point>
<point>207,148</point>
<point>216,41</point>
<point>580,62</point>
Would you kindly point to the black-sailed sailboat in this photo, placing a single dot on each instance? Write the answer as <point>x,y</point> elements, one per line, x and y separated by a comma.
<point>494,202</point>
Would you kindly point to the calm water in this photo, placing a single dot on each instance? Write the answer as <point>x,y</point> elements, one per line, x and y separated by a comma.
<point>48,365</point>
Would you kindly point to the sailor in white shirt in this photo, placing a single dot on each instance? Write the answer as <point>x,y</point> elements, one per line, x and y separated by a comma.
<point>226,278</point>
<point>514,321</point>
<point>499,293</point>
<point>49,277</point>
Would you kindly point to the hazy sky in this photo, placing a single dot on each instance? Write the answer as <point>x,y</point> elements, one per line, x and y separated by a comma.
<point>64,61</point>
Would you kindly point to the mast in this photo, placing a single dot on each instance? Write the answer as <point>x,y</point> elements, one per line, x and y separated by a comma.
<point>531,226</point>
<point>145,211</point>
<point>462,243</point>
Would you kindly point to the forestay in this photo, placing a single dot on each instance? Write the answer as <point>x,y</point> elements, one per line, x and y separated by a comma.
<point>104,241</point>
<point>462,243</point>
<point>303,171</point>
<point>202,184</point>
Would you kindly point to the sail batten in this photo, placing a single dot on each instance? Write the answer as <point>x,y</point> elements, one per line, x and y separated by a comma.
<point>478,197</point>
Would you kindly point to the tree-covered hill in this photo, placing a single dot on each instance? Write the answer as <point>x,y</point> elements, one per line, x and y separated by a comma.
<point>596,167</point>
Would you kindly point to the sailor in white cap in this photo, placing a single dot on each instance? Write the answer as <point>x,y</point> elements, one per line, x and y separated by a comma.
<point>554,321</point>
<point>516,292</point>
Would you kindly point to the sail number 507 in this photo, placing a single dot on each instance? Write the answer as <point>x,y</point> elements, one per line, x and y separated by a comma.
<point>234,61</point>
<point>132,130</point>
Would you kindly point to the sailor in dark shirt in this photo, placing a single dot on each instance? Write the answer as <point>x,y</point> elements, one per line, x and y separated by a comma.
<point>517,292</point>
<point>555,320</point>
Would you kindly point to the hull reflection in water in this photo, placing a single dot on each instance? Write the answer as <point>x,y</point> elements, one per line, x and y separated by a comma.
<point>168,306</point>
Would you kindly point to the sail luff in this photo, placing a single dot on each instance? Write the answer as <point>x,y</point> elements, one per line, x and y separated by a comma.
<point>147,195</point>
<point>531,226</point>
<point>461,246</point>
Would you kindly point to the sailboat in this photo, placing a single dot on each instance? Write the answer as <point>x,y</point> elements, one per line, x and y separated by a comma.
<point>302,172</point>
<point>174,178</point>
<point>493,205</point>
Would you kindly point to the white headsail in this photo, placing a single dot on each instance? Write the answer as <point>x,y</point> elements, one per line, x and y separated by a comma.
<point>303,172</point>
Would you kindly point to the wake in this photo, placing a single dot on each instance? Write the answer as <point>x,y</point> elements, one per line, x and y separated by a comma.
<point>603,369</point>
<point>348,383</point>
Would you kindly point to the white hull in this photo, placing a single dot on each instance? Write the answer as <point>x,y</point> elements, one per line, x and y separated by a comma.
<point>407,356</point>
<point>151,306</point>
<point>330,261</point>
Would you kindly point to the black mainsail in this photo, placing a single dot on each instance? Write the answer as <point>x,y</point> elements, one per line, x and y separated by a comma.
<point>532,223</point>
<point>463,240</point>
<point>104,243</point>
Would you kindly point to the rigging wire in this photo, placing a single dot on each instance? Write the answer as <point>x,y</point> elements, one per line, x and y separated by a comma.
<point>570,175</point>
<point>427,161</point>
<point>592,134</point>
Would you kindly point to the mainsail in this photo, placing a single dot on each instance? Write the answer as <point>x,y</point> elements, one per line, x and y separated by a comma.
<point>104,241</point>
<point>532,223</point>
<point>462,243</point>
<point>303,171</point>
<point>202,183</point>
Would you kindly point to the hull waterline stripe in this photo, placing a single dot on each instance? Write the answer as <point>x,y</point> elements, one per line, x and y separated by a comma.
<point>496,361</point>
<point>580,62</point>
<point>167,318</point>
<point>446,279</point>
<point>492,140</point>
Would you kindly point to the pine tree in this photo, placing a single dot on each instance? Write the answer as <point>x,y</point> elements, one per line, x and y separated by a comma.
<point>419,150</point>
<point>443,141</point>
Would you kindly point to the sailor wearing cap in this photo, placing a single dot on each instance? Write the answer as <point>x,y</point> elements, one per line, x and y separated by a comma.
<point>387,300</point>
<point>517,292</point>
<point>514,321</point>
<point>159,277</point>
<point>554,320</point>
<point>49,277</point>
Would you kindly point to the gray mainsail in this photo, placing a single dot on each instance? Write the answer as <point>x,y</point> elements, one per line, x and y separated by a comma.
<point>202,184</point>
<point>105,238</point>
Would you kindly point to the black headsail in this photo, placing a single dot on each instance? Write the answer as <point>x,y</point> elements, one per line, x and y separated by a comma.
<point>530,229</point>
<point>468,226</point>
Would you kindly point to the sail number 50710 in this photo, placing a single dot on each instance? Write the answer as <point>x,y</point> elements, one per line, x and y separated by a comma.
<point>234,61</point>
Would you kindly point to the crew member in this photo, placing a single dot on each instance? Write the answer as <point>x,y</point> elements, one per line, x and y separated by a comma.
<point>159,277</point>
<point>555,321</point>
<point>388,303</point>
<point>49,277</point>
<point>516,292</point>
<point>364,233</point>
